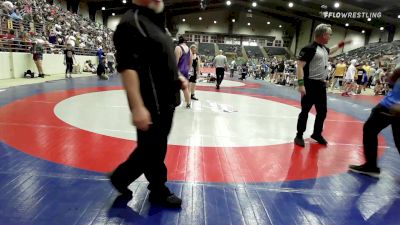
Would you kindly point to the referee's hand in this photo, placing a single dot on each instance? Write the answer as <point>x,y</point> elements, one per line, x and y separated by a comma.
<point>302,90</point>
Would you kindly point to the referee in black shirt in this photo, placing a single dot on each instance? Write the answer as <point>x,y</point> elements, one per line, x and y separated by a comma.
<point>146,60</point>
<point>312,71</point>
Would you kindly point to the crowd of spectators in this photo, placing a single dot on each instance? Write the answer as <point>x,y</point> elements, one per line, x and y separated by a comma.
<point>53,25</point>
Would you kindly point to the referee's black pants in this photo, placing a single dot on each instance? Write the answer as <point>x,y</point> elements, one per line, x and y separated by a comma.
<point>220,72</point>
<point>148,157</point>
<point>315,95</point>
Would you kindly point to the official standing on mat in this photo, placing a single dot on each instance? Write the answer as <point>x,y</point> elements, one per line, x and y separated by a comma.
<point>221,64</point>
<point>312,71</point>
<point>152,86</point>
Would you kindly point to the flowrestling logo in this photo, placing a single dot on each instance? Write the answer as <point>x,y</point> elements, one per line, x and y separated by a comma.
<point>351,15</point>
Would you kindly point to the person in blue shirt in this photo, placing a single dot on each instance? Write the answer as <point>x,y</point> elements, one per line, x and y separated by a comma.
<point>386,113</point>
<point>100,54</point>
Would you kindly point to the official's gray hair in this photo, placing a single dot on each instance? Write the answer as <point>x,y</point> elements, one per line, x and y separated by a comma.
<point>321,29</point>
<point>193,46</point>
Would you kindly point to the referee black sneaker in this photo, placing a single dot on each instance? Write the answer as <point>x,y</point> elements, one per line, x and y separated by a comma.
<point>299,141</point>
<point>169,201</point>
<point>321,140</point>
<point>372,171</point>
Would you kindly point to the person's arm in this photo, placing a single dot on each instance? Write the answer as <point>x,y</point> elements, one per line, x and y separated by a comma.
<point>141,116</point>
<point>300,77</point>
<point>191,60</point>
<point>198,65</point>
<point>340,45</point>
<point>129,62</point>
<point>178,53</point>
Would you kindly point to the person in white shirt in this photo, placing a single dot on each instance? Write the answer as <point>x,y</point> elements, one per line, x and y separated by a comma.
<point>221,64</point>
<point>349,78</point>
<point>110,62</point>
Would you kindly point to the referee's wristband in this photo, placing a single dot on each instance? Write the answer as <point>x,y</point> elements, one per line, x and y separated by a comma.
<point>300,82</point>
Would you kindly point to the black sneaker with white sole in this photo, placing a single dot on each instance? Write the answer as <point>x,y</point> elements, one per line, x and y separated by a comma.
<point>169,201</point>
<point>299,141</point>
<point>365,169</point>
<point>321,140</point>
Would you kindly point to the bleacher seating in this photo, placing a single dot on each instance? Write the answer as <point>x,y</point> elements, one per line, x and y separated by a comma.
<point>54,26</point>
<point>207,49</point>
<point>253,51</point>
<point>372,51</point>
<point>231,48</point>
<point>274,51</point>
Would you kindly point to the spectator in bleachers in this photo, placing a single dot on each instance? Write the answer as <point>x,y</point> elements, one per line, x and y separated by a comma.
<point>37,51</point>
<point>69,58</point>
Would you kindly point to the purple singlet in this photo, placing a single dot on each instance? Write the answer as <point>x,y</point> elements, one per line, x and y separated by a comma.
<point>183,64</point>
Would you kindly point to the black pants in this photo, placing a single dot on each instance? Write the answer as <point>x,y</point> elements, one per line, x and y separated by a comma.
<point>69,67</point>
<point>111,67</point>
<point>220,72</point>
<point>148,157</point>
<point>315,95</point>
<point>379,119</point>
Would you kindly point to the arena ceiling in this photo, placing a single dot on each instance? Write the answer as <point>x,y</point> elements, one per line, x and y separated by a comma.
<point>279,9</point>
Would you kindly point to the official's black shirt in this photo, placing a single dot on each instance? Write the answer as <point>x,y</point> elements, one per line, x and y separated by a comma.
<point>143,45</point>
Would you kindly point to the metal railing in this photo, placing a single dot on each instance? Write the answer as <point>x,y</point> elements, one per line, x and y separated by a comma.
<point>16,45</point>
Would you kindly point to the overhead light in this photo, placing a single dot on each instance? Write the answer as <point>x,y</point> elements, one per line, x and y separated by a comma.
<point>336,5</point>
<point>268,23</point>
<point>381,28</point>
<point>200,18</point>
<point>398,16</point>
<point>280,26</point>
<point>248,24</point>
<point>113,14</point>
<point>254,4</point>
<point>363,31</point>
<point>233,20</point>
<point>124,1</point>
<point>215,21</point>
<point>228,3</point>
<point>183,20</point>
<point>103,8</point>
<point>369,19</point>
<point>290,4</point>
<point>346,24</point>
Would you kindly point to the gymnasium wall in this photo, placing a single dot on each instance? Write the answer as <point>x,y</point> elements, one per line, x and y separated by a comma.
<point>99,17</point>
<point>376,34</point>
<point>83,7</point>
<point>338,34</point>
<point>113,21</point>
<point>258,23</point>
<point>397,33</point>
<point>14,64</point>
